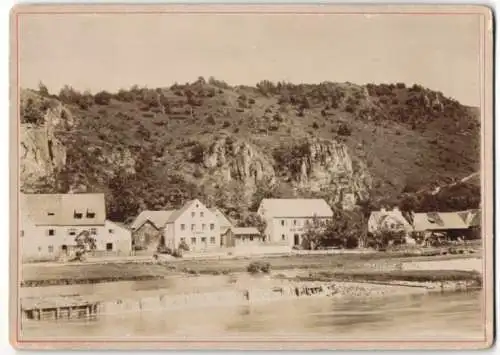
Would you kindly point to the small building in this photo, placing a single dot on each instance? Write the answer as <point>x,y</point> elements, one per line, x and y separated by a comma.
<point>441,224</point>
<point>148,228</point>
<point>194,225</point>
<point>287,219</point>
<point>51,223</point>
<point>388,220</point>
<point>240,237</point>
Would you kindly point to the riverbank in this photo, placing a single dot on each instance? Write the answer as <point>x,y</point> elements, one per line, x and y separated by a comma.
<point>72,274</point>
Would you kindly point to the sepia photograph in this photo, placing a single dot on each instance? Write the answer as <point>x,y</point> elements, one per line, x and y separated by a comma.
<point>251,177</point>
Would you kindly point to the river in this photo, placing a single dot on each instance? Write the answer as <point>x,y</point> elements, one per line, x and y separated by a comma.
<point>440,317</point>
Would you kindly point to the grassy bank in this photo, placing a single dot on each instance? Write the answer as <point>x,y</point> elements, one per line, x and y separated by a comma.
<point>67,274</point>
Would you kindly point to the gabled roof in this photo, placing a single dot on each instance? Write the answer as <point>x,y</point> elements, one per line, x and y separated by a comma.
<point>295,207</point>
<point>438,221</point>
<point>244,230</point>
<point>380,219</point>
<point>221,217</point>
<point>177,213</point>
<point>83,209</point>
<point>157,218</point>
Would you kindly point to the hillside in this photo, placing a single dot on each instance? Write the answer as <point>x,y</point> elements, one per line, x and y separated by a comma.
<point>231,146</point>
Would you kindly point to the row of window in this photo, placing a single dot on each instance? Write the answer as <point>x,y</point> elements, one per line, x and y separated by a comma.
<point>77,214</point>
<point>50,248</point>
<point>296,222</point>
<point>72,231</point>
<point>193,227</point>
<point>193,214</point>
<point>203,240</point>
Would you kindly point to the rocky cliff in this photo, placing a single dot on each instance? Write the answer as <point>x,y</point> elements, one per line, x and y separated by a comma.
<point>232,146</point>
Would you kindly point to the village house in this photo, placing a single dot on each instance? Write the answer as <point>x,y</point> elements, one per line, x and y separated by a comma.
<point>51,223</point>
<point>194,225</point>
<point>449,225</point>
<point>148,230</point>
<point>287,219</point>
<point>243,237</point>
<point>388,220</point>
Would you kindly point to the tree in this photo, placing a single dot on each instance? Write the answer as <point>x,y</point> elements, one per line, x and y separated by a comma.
<point>253,219</point>
<point>42,90</point>
<point>102,98</point>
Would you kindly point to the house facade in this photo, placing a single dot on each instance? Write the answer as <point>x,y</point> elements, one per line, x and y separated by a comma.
<point>195,225</point>
<point>148,229</point>
<point>388,220</point>
<point>287,219</point>
<point>50,224</point>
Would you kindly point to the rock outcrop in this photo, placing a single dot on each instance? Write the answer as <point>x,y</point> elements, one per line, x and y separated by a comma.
<point>238,160</point>
<point>328,166</point>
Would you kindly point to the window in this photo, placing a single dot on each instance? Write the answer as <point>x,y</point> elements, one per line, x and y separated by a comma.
<point>72,231</point>
<point>203,239</point>
<point>90,214</point>
<point>203,227</point>
<point>282,237</point>
<point>193,214</point>
<point>282,222</point>
<point>212,240</point>
<point>77,215</point>
<point>111,231</point>
<point>51,248</point>
<point>183,227</point>
<point>294,222</point>
<point>50,213</point>
<point>251,238</point>
<point>109,246</point>
<point>192,227</point>
<point>93,231</point>
<point>39,248</point>
<point>202,214</point>
<point>22,233</point>
<point>64,247</point>
<point>212,226</point>
<point>193,240</point>
<point>183,239</point>
<point>52,232</point>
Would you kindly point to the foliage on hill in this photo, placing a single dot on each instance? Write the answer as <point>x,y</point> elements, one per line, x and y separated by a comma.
<point>145,147</point>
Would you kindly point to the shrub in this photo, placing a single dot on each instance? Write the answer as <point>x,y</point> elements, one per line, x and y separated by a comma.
<point>211,120</point>
<point>258,266</point>
<point>31,113</point>
<point>344,130</point>
<point>315,125</point>
<point>102,98</point>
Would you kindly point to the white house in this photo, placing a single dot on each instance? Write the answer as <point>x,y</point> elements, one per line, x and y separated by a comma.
<point>49,224</point>
<point>287,219</point>
<point>195,225</point>
<point>392,220</point>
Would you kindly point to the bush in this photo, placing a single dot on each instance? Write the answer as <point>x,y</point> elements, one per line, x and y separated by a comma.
<point>344,130</point>
<point>258,266</point>
<point>102,98</point>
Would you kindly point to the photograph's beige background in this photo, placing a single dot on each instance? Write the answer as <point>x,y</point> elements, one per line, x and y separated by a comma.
<point>428,45</point>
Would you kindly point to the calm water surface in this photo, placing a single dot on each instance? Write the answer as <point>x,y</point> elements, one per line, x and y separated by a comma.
<point>455,316</point>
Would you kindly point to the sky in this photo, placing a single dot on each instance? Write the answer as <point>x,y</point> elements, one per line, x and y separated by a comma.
<point>113,51</point>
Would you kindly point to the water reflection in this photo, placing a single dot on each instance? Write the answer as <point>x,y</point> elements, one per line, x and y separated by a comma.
<point>419,317</point>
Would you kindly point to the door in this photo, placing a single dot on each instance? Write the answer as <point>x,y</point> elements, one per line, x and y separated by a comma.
<point>296,239</point>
